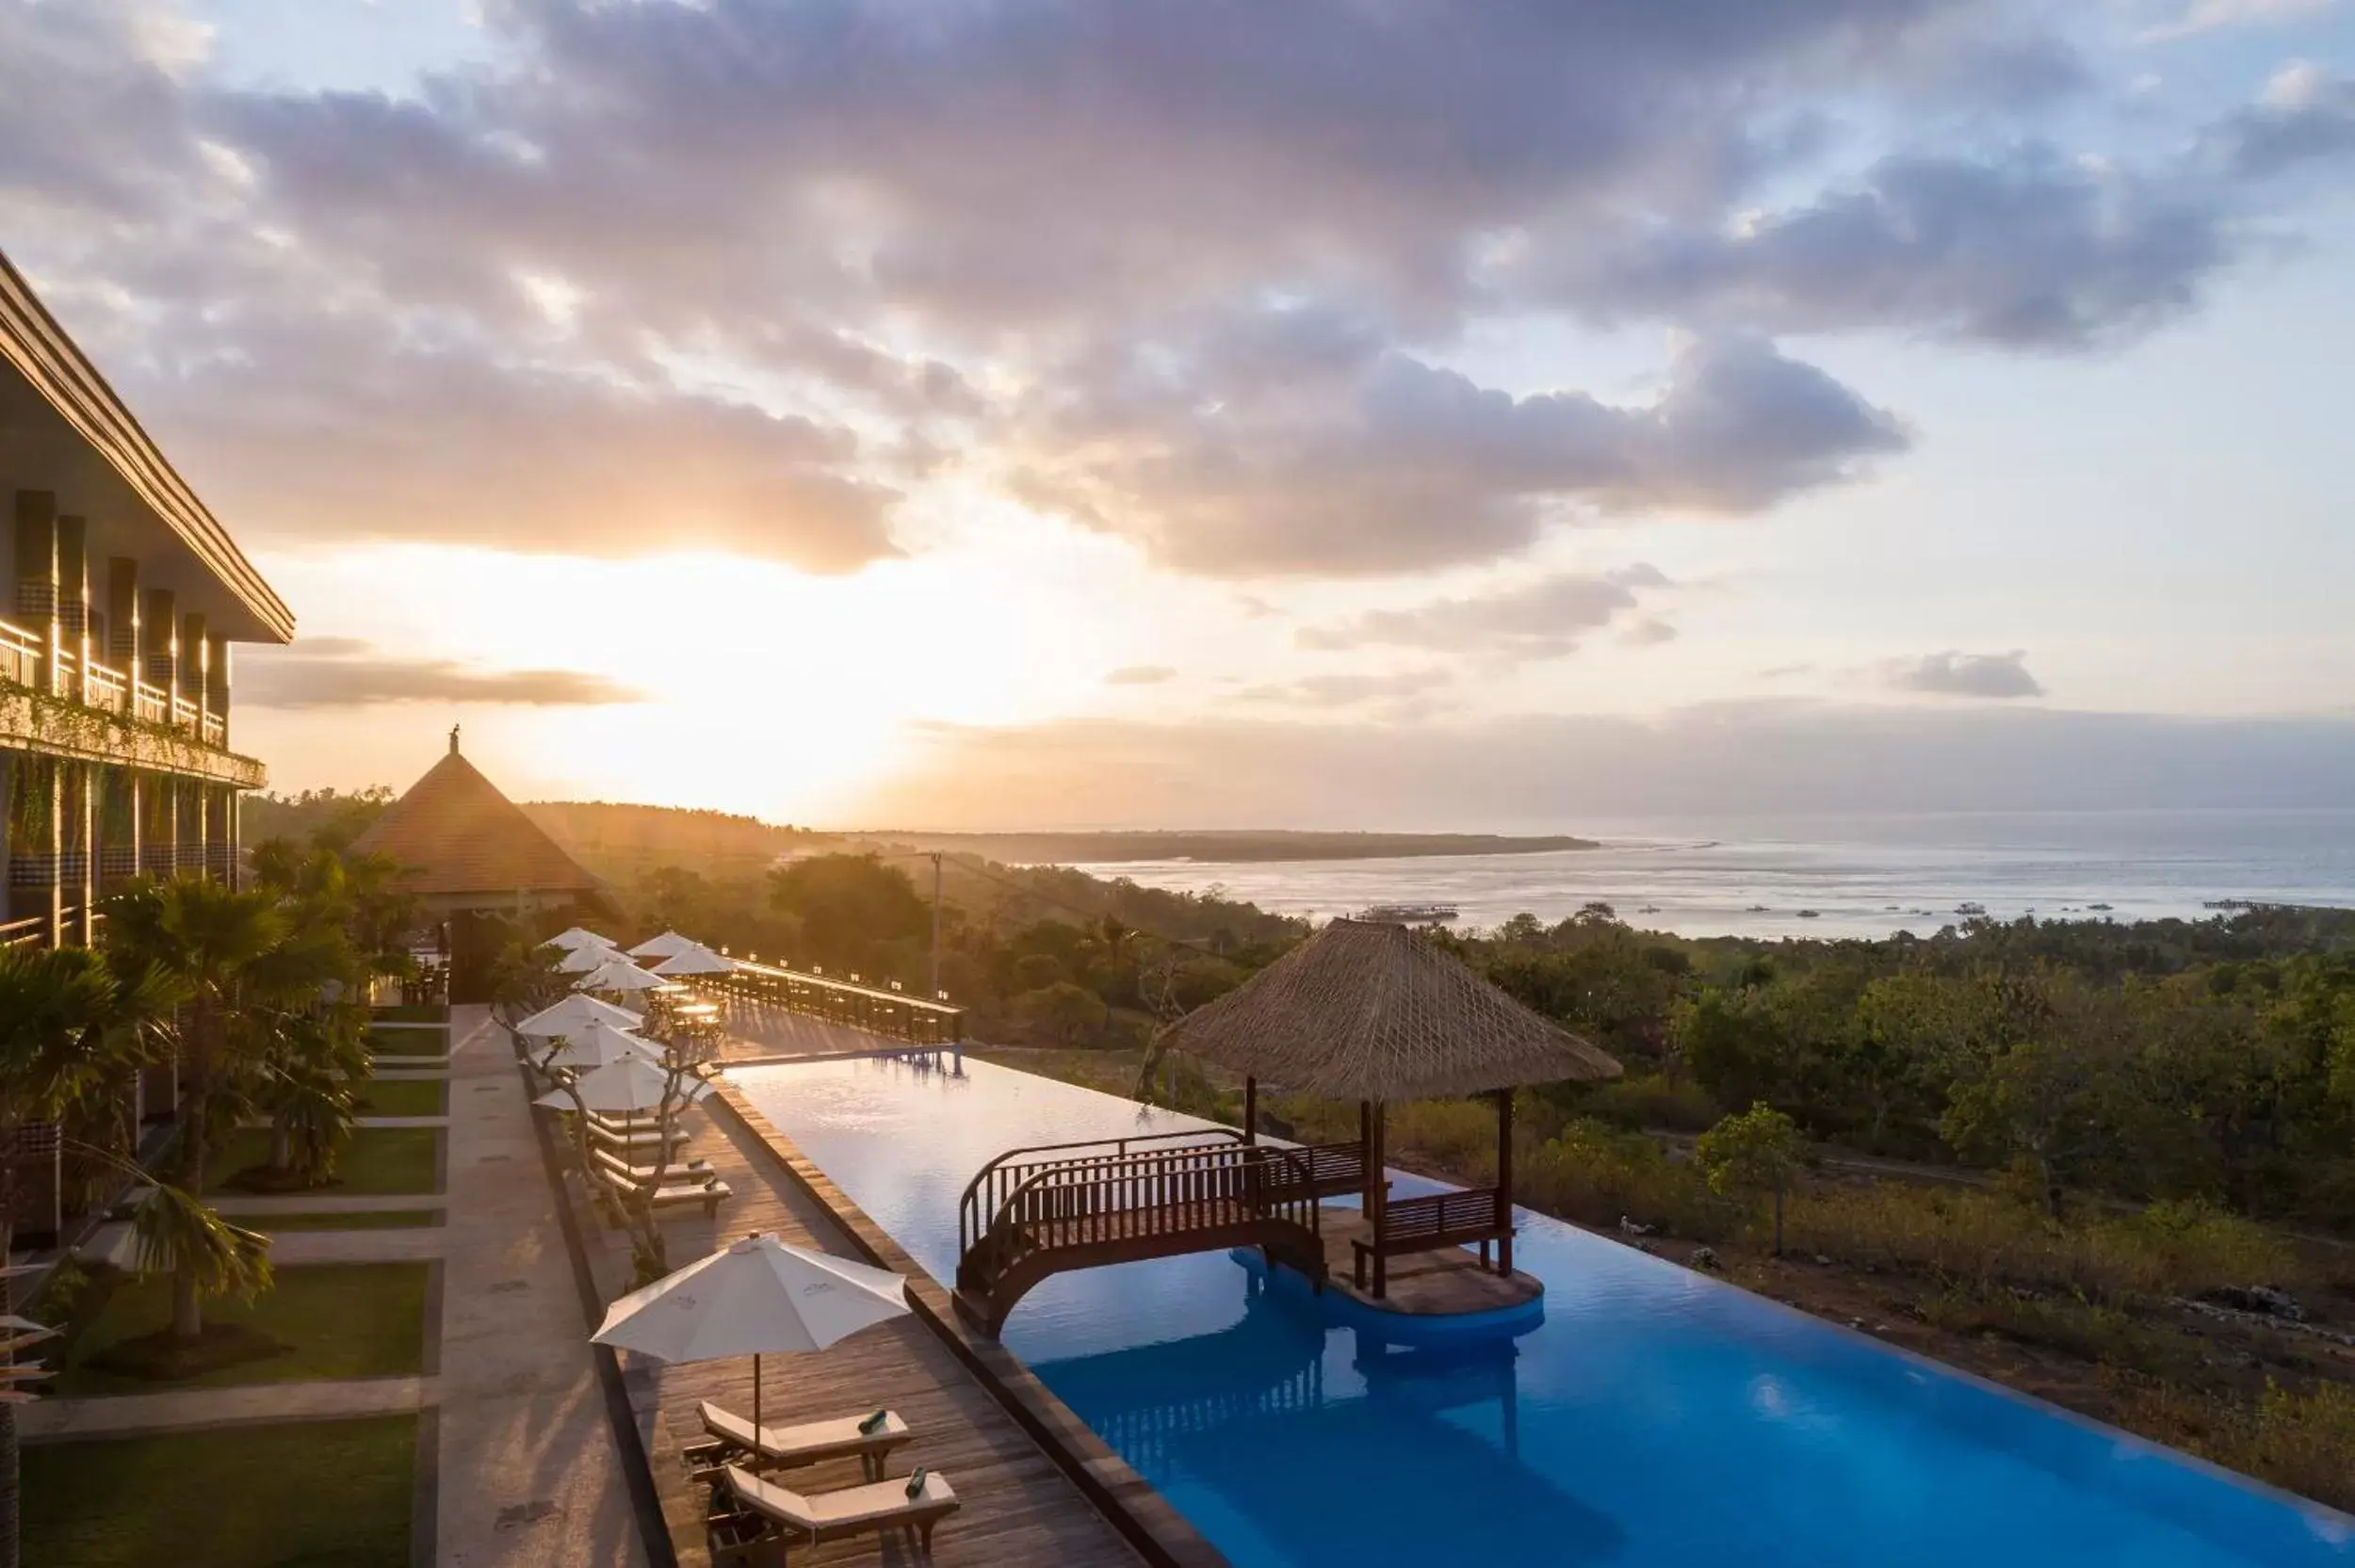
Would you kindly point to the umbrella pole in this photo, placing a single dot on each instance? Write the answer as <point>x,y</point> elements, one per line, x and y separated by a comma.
<point>756,1399</point>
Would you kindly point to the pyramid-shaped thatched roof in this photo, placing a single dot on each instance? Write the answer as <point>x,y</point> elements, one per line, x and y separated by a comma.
<point>453,834</point>
<point>1364,1011</point>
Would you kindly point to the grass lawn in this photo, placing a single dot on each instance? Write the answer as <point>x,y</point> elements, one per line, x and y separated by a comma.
<point>333,1320</point>
<point>410,1042</point>
<point>301,1496</point>
<point>360,1220</point>
<point>376,1161</point>
<point>404,1097</point>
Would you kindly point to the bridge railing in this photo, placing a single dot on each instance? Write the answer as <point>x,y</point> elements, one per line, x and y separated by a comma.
<point>1127,1197</point>
<point>988,1189</point>
<point>868,1008</point>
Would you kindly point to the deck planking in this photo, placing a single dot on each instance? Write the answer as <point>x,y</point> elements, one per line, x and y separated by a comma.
<point>1017,1507</point>
<point>1444,1283</point>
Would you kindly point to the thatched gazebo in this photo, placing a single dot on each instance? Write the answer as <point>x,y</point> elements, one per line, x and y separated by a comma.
<point>1377,1013</point>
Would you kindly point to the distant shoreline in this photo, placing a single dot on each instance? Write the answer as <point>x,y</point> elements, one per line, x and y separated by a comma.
<point>1236,847</point>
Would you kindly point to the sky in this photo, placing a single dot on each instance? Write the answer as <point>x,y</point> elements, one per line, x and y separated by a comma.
<point>1347,414</point>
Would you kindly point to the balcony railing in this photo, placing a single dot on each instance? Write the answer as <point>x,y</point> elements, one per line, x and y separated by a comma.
<point>21,654</point>
<point>108,688</point>
<point>25,660</point>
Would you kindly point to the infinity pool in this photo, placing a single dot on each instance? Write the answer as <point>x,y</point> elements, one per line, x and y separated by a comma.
<point>1655,1418</point>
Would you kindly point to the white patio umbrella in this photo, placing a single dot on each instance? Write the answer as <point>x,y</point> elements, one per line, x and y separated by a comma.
<point>558,1021</point>
<point>754,1298</point>
<point>581,959</point>
<point>666,946</point>
<point>631,1087</point>
<point>580,936</point>
<point>601,1046</point>
<point>695,961</point>
<point>617,974</point>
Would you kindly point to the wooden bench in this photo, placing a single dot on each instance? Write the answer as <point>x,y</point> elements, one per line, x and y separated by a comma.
<point>1426,1224</point>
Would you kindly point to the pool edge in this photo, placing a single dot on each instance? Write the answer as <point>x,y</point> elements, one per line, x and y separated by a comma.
<point>1146,1520</point>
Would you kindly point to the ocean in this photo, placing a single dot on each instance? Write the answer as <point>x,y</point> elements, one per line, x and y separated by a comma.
<point>1858,875</point>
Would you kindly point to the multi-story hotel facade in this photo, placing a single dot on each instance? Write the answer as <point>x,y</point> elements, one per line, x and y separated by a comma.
<point>125,599</point>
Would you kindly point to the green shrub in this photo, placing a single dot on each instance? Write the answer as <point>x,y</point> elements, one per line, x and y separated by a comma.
<point>1986,1239</point>
<point>2198,1246</point>
<point>1651,1100</point>
<point>1598,1175</point>
<point>2303,1442</point>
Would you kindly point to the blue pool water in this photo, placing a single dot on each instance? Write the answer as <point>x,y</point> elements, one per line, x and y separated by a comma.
<point>1655,1418</point>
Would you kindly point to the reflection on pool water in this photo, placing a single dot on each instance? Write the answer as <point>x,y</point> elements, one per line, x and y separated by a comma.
<point>1656,1416</point>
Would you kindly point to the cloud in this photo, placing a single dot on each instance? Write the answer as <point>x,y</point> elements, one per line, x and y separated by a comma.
<point>736,273</point>
<point>1348,690</point>
<point>342,673</point>
<point>2208,16</point>
<point>2032,251</point>
<point>2305,115</point>
<point>1542,620</point>
<point>1953,674</point>
<point>1371,461</point>
<point>1649,632</point>
<point>1555,773</point>
<point>1142,675</point>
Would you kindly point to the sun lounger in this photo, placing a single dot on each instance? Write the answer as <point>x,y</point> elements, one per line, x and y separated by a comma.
<point>809,1442</point>
<point>633,1139</point>
<point>707,1191</point>
<point>817,1518</point>
<point>620,1170</point>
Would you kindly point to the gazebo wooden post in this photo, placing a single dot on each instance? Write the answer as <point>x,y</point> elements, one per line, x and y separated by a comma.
<point>1250,1110</point>
<point>1504,1181</point>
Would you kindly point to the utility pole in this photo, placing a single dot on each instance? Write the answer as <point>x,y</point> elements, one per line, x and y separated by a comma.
<point>935,988</point>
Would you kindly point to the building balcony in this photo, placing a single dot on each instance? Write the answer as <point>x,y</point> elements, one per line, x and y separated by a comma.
<point>101,715</point>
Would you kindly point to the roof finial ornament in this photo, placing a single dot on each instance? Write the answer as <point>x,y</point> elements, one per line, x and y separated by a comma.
<point>453,741</point>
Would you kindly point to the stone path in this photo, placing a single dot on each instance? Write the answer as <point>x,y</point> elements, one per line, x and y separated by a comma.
<point>400,1121</point>
<point>119,1415</point>
<point>404,1244</point>
<point>253,1205</point>
<point>528,1471</point>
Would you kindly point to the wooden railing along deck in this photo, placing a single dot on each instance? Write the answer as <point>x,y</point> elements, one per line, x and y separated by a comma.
<point>1023,1218</point>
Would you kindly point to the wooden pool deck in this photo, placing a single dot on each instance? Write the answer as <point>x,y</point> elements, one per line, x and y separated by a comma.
<point>1021,1503</point>
<point>1447,1282</point>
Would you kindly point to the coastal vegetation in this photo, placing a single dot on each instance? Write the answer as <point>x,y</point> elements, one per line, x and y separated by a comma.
<point>2112,1165</point>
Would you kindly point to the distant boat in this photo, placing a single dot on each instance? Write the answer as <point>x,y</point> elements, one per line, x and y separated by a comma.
<point>1648,909</point>
<point>1970,909</point>
<point>1759,909</point>
<point>1410,914</point>
<point>1810,914</point>
<point>2102,908</point>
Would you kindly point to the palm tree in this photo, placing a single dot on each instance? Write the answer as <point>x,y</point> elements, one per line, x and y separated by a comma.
<point>71,1024</point>
<point>249,965</point>
<point>316,1060</point>
<point>179,1234</point>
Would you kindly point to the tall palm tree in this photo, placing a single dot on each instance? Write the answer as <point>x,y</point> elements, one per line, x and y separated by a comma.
<point>249,965</point>
<point>71,1024</point>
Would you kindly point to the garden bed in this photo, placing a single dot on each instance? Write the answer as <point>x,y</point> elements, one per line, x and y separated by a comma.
<point>377,1161</point>
<point>338,1320</point>
<point>319,1492</point>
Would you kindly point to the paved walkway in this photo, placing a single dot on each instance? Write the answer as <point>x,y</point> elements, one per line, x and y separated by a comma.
<point>400,1121</point>
<point>529,1473</point>
<point>404,1244</point>
<point>412,1067</point>
<point>118,1415</point>
<point>248,1205</point>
